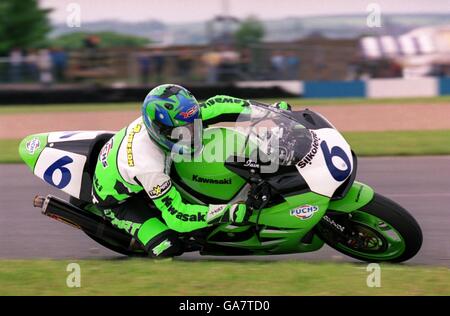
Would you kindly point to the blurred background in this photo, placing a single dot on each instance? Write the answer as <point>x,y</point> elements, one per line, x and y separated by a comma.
<point>298,48</point>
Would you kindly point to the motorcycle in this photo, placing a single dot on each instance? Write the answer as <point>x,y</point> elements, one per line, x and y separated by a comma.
<point>309,199</point>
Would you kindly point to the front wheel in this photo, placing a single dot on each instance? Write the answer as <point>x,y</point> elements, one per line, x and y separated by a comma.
<point>382,230</point>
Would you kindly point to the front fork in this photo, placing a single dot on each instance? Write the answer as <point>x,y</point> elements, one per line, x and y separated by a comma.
<point>336,219</point>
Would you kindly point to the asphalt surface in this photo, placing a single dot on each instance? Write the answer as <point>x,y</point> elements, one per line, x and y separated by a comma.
<point>420,184</point>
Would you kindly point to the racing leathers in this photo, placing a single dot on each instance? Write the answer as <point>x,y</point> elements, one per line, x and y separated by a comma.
<point>132,173</point>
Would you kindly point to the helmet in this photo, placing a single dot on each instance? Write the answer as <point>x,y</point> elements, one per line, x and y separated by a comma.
<point>169,113</point>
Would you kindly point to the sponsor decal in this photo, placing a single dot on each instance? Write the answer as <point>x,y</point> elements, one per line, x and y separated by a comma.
<point>305,211</point>
<point>334,224</point>
<point>222,100</point>
<point>163,246</point>
<point>33,145</point>
<point>197,178</point>
<point>130,139</point>
<point>215,209</point>
<point>312,153</point>
<point>189,112</point>
<point>103,157</point>
<point>251,164</point>
<point>199,217</point>
<point>160,189</point>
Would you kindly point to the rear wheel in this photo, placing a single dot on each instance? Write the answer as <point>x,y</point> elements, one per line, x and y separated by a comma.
<point>382,230</point>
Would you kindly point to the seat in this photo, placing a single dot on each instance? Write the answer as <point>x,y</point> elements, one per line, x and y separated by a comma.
<point>95,146</point>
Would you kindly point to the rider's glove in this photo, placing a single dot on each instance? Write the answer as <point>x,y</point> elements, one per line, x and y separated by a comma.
<point>228,213</point>
<point>283,105</point>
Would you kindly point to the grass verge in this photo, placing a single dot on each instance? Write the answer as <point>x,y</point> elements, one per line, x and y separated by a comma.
<point>9,151</point>
<point>398,143</point>
<point>89,107</point>
<point>173,277</point>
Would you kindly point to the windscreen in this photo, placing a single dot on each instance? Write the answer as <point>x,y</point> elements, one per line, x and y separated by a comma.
<point>273,136</point>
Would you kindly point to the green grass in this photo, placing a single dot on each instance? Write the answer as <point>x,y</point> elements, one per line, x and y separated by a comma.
<point>8,109</point>
<point>399,143</point>
<point>174,277</point>
<point>9,151</point>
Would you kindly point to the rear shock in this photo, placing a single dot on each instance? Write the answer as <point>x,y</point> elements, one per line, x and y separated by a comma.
<point>92,224</point>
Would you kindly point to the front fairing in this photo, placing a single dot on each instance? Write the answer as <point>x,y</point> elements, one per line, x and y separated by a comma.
<point>276,138</point>
<point>318,152</point>
<point>328,164</point>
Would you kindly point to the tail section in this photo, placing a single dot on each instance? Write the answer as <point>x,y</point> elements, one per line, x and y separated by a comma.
<point>31,147</point>
<point>61,158</point>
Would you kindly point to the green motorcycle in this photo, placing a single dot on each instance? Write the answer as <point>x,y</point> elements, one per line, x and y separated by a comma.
<point>294,170</point>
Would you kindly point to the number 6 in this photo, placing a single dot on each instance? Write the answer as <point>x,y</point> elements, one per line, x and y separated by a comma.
<point>338,174</point>
<point>65,173</point>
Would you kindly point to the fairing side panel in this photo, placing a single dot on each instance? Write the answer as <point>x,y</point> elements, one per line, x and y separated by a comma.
<point>359,195</point>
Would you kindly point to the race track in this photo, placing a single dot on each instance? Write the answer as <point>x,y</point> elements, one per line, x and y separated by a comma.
<point>420,184</point>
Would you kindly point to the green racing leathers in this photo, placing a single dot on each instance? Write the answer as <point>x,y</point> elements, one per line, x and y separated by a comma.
<point>130,163</point>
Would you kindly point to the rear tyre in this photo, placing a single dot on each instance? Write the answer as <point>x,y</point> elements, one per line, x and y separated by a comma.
<point>382,230</point>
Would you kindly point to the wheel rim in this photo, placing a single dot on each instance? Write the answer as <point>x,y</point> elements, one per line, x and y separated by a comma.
<point>376,240</point>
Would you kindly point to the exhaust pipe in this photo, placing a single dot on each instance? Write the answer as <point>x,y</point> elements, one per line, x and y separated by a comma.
<point>91,224</point>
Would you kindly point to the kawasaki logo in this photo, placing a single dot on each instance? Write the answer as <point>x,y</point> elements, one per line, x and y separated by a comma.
<point>182,216</point>
<point>304,212</point>
<point>196,178</point>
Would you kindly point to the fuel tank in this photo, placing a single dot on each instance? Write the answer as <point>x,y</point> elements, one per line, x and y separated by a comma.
<point>206,175</point>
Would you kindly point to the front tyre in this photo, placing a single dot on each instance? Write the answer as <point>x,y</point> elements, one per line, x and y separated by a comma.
<point>382,230</point>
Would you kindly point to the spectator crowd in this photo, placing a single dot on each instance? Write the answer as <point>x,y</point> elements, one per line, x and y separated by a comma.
<point>210,65</point>
<point>35,65</point>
